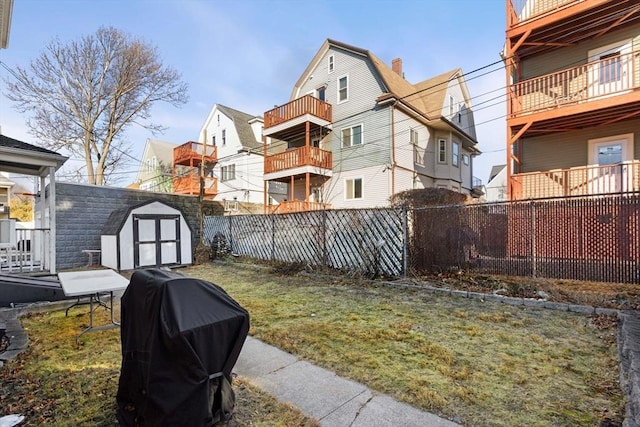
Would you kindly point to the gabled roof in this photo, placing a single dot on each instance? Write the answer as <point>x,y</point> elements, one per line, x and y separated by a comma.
<point>426,98</point>
<point>243,128</point>
<point>495,170</point>
<point>19,157</point>
<point>241,121</point>
<point>162,150</point>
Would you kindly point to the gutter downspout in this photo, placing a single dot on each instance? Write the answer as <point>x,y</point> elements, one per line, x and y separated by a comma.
<point>393,153</point>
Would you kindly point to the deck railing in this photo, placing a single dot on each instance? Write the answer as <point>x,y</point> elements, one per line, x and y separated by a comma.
<point>194,150</point>
<point>191,185</point>
<point>579,181</point>
<point>297,108</point>
<point>522,10</point>
<point>297,206</point>
<point>303,156</point>
<point>583,83</point>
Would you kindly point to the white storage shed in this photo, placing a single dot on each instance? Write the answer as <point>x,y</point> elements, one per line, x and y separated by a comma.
<point>152,234</point>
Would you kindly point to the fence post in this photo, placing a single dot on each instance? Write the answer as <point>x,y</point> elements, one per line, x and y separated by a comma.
<point>324,238</point>
<point>405,229</point>
<point>273,237</point>
<point>231,233</point>
<point>533,240</point>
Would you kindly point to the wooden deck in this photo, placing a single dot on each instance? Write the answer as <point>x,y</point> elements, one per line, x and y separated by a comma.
<point>194,153</point>
<point>298,108</point>
<point>296,206</point>
<point>298,157</point>
<point>191,185</point>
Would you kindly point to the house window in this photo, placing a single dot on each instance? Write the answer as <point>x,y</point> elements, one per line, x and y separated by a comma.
<point>465,159</point>
<point>459,115</point>
<point>330,64</point>
<point>213,140</point>
<point>352,136</point>
<point>218,119</point>
<point>353,188</point>
<point>417,152</point>
<point>224,136</point>
<point>452,102</point>
<point>320,93</point>
<point>343,89</point>
<point>442,151</point>
<point>455,153</point>
<point>228,173</point>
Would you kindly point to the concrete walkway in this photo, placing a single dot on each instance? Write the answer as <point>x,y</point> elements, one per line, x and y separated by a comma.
<point>323,395</point>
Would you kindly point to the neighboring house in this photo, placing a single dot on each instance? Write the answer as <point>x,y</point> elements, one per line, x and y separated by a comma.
<point>496,188</point>
<point>356,132</point>
<point>573,97</point>
<point>239,166</point>
<point>6,186</point>
<point>156,167</point>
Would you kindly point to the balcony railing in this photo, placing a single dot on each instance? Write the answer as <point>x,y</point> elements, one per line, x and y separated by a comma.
<point>303,156</point>
<point>523,10</point>
<point>194,151</point>
<point>584,83</point>
<point>297,108</point>
<point>579,181</point>
<point>191,185</point>
<point>297,206</point>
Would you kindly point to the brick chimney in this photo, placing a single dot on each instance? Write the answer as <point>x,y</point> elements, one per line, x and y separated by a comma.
<point>396,66</point>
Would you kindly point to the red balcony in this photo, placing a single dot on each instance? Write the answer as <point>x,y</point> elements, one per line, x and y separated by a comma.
<point>597,80</point>
<point>301,107</point>
<point>298,157</point>
<point>194,153</point>
<point>191,185</point>
<point>579,181</point>
<point>297,206</point>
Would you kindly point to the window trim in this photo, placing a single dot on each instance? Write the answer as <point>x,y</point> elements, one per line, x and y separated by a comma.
<point>466,159</point>
<point>225,172</point>
<point>224,137</point>
<point>442,151</point>
<point>418,157</point>
<point>345,76</point>
<point>331,64</point>
<point>354,178</point>
<point>452,102</point>
<point>351,144</point>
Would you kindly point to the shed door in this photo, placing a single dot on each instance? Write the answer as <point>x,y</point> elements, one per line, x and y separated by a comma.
<point>156,240</point>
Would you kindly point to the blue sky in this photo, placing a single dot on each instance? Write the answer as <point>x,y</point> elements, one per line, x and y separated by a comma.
<point>247,54</point>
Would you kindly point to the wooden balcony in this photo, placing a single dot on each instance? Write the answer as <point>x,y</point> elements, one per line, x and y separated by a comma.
<point>297,206</point>
<point>194,153</point>
<point>306,105</point>
<point>191,185</point>
<point>519,11</point>
<point>593,81</point>
<point>579,181</point>
<point>298,157</point>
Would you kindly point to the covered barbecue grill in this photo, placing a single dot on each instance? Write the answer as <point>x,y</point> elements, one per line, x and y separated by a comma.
<point>181,338</point>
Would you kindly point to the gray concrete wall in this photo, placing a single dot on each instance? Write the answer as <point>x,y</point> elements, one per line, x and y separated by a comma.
<point>82,211</point>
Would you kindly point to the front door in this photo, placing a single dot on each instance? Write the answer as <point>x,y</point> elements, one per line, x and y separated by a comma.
<point>156,240</point>
<point>608,172</point>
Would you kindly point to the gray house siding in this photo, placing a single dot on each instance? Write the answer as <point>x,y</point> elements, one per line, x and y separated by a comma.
<point>83,210</point>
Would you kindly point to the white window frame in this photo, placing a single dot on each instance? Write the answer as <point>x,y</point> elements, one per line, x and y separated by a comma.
<point>346,76</point>
<point>452,102</point>
<point>354,179</point>
<point>442,151</point>
<point>331,64</point>
<point>351,144</point>
<point>228,172</point>
<point>465,159</point>
<point>455,154</point>
<point>417,152</point>
<point>627,148</point>
<point>224,137</point>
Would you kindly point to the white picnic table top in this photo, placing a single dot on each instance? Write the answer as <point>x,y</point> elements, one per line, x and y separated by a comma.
<point>89,282</point>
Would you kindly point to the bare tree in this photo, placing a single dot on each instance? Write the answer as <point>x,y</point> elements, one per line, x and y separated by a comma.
<point>82,96</point>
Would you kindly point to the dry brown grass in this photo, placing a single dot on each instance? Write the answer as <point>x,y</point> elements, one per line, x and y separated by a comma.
<point>480,363</point>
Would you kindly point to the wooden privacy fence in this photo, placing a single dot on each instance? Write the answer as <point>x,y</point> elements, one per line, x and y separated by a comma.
<point>586,238</point>
<point>367,241</point>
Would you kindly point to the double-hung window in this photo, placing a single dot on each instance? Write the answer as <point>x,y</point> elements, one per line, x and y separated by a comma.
<point>353,188</point>
<point>228,173</point>
<point>417,152</point>
<point>224,136</point>
<point>343,89</point>
<point>442,151</point>
<point>352,136</point>
<point>330,64</point>
<point>455,153</point>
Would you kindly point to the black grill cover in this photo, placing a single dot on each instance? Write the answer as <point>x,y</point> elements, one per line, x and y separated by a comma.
<point>181,338</point>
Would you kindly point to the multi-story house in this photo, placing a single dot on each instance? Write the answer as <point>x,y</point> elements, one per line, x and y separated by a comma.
<point>573,78</point>
<point>355,133</point>
<point>239,168</point>
<point>156,168</point>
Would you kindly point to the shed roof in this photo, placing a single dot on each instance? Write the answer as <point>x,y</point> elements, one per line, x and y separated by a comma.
<point>118,217</point>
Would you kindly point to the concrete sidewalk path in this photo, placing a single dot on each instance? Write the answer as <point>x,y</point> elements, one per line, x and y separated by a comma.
<point>323,395</point>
